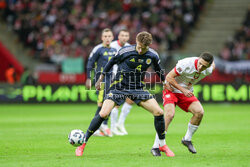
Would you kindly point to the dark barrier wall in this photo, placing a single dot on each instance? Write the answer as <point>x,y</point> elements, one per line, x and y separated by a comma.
<point>78,94</point>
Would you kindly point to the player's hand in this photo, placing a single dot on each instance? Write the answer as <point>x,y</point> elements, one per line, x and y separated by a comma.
<point>88,83</point>
<point>168,87</point>
<point>187,93</point>
<point>98,85</point>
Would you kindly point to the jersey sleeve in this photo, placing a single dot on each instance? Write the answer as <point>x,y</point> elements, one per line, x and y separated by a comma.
<point>157,68</point>
<point>114,60</point>
<point>93,57</point>
<point>181,67</point>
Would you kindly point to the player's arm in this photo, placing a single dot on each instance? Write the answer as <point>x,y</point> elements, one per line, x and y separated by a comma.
<point>90,65</point>
<point>112,61</point>
<point>170,78</point>
<point>158,69</point>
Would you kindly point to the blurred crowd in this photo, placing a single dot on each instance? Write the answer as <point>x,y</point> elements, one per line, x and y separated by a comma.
<point>56,29</point>
<point>238,47</point>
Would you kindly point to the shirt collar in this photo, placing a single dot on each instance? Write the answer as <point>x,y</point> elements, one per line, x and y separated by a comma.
<point>196,64</point>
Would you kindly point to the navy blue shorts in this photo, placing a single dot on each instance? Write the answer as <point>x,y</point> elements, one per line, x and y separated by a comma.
<point>119,96</point>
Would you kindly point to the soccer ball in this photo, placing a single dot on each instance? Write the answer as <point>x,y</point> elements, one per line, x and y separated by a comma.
<point>76,137</point>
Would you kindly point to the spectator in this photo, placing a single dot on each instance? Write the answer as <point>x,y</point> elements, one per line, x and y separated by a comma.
<point>10,75</point>
<point>238,48</point>
<point>27,77</point>
<point>42,25</point>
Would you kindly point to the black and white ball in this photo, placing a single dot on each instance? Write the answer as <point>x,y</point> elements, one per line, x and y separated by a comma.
<point>76,137</point>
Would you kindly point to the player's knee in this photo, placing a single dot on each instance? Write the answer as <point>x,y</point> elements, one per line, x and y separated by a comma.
<point>199,113</point>
<point>170,115</point>
<point>158,112</point>
<point>104,114</point>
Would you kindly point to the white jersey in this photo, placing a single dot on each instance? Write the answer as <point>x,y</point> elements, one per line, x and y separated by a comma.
<point>115,44</point>
<point>188,75</point>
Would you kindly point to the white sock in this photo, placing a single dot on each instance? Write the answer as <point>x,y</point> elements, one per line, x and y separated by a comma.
<point>162,142</point>
<point>124,112</point>
<point>157,142</point>
<point>113,118</point>
<point>190,131</point>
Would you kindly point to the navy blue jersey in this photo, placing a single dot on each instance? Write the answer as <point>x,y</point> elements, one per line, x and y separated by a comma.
<point>132,67</point>
<point>98,58</point>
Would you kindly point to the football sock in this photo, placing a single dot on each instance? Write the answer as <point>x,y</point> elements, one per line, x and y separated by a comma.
<point>98,110</point>
<point>113,118</point>
<point>94,125</point>
<point>160,126</point>
<point>124,112</point>
<point>162,142</point>
<point>105,122</point>
<point>190,131</point>
<point>157,142</point>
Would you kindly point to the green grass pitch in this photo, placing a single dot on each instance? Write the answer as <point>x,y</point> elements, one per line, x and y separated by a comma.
<point>36,135</point>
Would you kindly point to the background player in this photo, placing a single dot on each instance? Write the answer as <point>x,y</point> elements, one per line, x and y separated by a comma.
<point>117,126</point>
<point>133,61</point>
<point>179,92</point>
<point>100,55</point>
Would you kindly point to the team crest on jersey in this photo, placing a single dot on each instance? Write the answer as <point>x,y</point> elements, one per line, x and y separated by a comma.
<point>110,94</point>
<point>179,69</point>
<point>148,61</point>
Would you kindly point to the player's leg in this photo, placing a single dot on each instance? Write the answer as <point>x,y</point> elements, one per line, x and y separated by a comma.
<point>169,101</point>
<point>169,112</point>
<point>99,106</point>
<point>113,121</point>
<point>96,123</point>
<point>152,106</point>
<point>104,126</point>
<point>123,115</point>
<point>99,118</point>
<point>197,110</point>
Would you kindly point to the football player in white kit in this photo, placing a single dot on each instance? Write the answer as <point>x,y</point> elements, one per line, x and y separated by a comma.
<point>117,127</point>
<point>179,91</point>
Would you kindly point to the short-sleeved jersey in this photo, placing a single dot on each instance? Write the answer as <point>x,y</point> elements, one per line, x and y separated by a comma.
<point>188,74</point>
<point>98,58</point>
<point>132,67</point>
<point>116,44</point>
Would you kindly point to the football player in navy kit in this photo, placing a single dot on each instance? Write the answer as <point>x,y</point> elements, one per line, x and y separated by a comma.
<point>132,61</point>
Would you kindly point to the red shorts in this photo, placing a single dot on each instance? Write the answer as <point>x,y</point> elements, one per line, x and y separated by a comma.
<point>178,99</point>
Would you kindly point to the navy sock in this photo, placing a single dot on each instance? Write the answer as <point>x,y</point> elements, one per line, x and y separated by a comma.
<point>105,122</point>
<point>160,126</point>
<point>94,125</point>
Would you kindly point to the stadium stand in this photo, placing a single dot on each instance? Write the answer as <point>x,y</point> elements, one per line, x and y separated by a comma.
<point>238,47</point>
<point>56,30</point>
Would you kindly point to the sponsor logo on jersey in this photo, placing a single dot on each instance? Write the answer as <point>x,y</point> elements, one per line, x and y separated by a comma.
<point>148,61</point>
<point>132,60</point>
<point>108,53</point>
<point>105,53</point>
<point>167,96</point>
